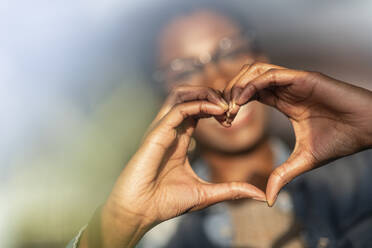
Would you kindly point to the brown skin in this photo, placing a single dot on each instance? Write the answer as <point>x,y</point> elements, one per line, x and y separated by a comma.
<point>158,183</point>
<point>148,190</point>
<point>331,119</point>
<point>199,33</point>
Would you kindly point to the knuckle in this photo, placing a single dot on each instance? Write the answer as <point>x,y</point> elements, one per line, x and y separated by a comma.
<point>236,90</point>
<point>177,108</point>
<point>307,74</point>
<point>177,89</point>
<point>245,67</point>
<point>183,113</point>
<point>273,75</point>
<point>254,65</point>
<point>258,67</point>
<point>202,107</point>
<point>281,174</point>
<point>202,196</point>
<point>210,90</point>
<point>235,186</point>
<point>175,93</point>
<point>260,64</point>
<point>257,64</point>
<point>236,189</point>
<point>228,88</point>
<point>314,74</point>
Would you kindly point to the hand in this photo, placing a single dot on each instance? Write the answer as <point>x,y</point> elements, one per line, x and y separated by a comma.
<point>331,119</point>
<point>158,183</point>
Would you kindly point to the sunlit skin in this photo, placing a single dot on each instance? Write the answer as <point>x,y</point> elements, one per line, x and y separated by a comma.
<point>158,182</point>
<point>331,119</point>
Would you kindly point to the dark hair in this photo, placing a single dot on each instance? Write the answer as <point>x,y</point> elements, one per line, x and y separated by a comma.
<point>158,16</point>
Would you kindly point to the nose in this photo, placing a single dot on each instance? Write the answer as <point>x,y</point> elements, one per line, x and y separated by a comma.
<point>214,77</point>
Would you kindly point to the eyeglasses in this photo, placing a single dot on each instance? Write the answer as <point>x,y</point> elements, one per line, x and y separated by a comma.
<point>229,53</point>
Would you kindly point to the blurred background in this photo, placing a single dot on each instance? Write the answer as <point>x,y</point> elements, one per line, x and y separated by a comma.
<point>75,101</point>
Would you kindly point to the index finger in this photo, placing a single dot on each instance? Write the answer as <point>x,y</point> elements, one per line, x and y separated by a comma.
<point>248,73</point>
<point>272,77</point>
<point>165,131</point>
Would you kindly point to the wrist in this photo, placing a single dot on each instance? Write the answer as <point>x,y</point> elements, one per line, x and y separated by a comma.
<point>369,122</point>
<point>362,117</point>
<point>121,228</point>
<point>369,142</point>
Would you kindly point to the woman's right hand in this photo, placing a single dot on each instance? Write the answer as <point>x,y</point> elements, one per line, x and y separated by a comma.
<point>158,183</point>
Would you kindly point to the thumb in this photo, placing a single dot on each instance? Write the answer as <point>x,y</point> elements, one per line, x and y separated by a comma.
<point>293,167</point>
<point>215,193</point>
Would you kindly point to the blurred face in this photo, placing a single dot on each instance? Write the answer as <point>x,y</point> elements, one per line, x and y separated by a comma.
<point>206,48</point>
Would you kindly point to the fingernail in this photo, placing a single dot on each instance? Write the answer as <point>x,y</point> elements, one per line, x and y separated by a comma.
<point>226,124</point>
<point>228,114</point>
<point>230,118</point>
<point>233,104</point>
<point>236,98</point>
<point>271,203</point>
<point>224,104</point>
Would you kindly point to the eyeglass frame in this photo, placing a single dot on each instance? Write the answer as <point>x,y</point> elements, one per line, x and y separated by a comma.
<point>250,47</point>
